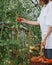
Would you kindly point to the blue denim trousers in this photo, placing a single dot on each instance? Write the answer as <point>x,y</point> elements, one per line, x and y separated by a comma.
<point>48,53</point>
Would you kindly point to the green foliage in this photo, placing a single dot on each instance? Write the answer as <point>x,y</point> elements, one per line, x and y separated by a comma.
<point>16,38</point>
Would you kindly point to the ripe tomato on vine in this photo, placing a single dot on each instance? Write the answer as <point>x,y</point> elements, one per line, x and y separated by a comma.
<point>19,19</point>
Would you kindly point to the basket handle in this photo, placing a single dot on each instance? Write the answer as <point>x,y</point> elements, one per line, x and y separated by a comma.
<point>41,50</point>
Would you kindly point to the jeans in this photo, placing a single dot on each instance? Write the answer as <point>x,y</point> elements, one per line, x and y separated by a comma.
<point>48,53</point>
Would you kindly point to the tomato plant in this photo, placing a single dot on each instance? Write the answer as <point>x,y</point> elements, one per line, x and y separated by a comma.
<point>16,38</point>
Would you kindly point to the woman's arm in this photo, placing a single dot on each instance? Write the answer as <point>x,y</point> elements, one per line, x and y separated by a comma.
<point>49,31</point>
<point>30,22</point>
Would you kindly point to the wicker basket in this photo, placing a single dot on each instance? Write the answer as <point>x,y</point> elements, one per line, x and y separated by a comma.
<point>47,62</point>
<point>35,61</point>
<point>40,61</point>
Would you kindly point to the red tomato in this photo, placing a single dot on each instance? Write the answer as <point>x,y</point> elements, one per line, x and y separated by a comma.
<point>19,19</point>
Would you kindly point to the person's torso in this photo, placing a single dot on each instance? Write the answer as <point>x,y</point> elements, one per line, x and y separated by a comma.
<point>42,18</point>
<point>44,26</point>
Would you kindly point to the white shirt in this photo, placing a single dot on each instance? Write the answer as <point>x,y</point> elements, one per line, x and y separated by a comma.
<point>45,20</point>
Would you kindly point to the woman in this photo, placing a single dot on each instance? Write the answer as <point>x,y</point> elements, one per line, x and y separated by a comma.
<point>45,22</point>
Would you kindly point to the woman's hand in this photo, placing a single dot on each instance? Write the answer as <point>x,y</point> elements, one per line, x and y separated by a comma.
<point>24,20</point>
<point>21,20</point>
<point>43,43</point>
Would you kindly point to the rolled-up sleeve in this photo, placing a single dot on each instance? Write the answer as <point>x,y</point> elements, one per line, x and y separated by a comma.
<point>49,17</point>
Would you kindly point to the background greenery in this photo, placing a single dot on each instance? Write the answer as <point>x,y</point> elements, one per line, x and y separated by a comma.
<point>17,38</point>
